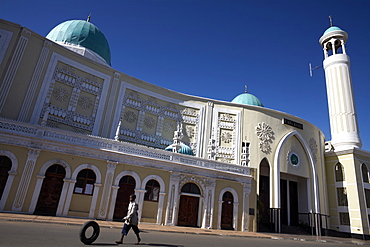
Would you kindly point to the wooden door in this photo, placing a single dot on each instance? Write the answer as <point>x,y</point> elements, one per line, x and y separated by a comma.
<point>51,190</point>
<point>227,214</point>
<point>188,211</point>
<point>126,188</point>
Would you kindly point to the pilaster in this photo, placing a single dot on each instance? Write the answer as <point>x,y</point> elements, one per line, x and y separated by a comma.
<point>173,197</point>
<point>245,214</point>
<point>31,91</point>
<point>25,180</point>
<point>111,167</point>
<point>13,66</point>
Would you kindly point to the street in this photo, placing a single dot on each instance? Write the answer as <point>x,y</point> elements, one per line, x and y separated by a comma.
<point>17,233</point>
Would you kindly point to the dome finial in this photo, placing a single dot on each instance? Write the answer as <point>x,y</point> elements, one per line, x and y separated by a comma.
<point>245,89</point>
<point>331,21</point>
<point>89,17</point>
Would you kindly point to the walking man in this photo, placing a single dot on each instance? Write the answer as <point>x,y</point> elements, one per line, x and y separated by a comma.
<point>131,220</point>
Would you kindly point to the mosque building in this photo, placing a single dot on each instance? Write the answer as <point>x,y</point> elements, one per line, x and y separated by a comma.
<point>77,137</point>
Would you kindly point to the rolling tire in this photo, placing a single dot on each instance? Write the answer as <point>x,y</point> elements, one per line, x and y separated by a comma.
<point>95,234</point>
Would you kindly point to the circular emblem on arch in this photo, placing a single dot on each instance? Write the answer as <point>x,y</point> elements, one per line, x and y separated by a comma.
<point>293,159</point>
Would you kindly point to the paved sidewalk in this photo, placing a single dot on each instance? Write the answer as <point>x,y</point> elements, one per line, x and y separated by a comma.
<point>177,229</point>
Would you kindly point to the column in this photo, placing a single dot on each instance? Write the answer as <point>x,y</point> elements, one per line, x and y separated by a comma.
<point>140,200</point>
<point>245,214</point>
<point>113,202</point>
<point>219,214</point>
<point>25,180</point>
<point>207,127</point>
<point>94,199</point>
<point>173,195</point>
<point>69,196</point>
<point>63,196</point>
<point>111,167</point>
<point>36,193</point>
<point>236,212</point>
<point>208,204</point>
<point>160,207</point>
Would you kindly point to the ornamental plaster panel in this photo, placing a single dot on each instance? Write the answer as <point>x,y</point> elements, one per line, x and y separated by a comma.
<point>157,117</point>
<point>266,135</point>
<point>225,133</point>
<point>82,79</point>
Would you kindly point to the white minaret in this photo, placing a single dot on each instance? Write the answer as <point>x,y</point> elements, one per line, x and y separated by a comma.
<point>342,111</point>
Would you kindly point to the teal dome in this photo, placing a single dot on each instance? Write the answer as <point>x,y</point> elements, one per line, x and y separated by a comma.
<point>183,150</point>
<point>82,33</point>
<point>247,99</point>
<point>333,28</point>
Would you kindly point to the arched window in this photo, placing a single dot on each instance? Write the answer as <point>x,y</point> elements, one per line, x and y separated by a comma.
<point>365,174</point>
<point>85,182</point>
<point>190,188</point>
<point>339,173</point>
<point>5,166</point>
<point>152,191</point>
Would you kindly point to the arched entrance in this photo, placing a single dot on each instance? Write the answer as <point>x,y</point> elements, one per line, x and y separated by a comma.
<point>127,186</point>
<point>189,205</point>
<point>51,190</point>
<point>227,211</point>
<point>5,166</point>
<point>263,201</point>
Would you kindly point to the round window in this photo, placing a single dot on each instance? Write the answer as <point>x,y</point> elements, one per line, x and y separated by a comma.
<point>293,159</point>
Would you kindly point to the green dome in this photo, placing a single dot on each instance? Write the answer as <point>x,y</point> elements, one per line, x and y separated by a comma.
<point>183,150</point>
<point>82,33</point>
<point>247,99</point>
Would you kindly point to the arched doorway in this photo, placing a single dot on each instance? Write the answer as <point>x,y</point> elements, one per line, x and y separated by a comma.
<point>227,215</point>
<point>51,190</point>
<point>5,166</point>
<point>189,205</point>
<point>263,201</point>
<point>127,186</point>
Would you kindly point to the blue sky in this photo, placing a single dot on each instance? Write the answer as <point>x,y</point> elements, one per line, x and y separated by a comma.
<point>212,48</point>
